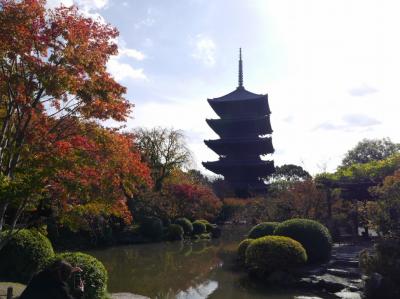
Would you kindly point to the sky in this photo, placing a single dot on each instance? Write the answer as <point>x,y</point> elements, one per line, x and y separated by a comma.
<point>331,69</point>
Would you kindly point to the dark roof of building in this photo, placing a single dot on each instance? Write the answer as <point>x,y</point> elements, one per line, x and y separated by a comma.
<point>235,127</point>
<point>239,94</point>
<point>224,166</point>
<point>226,146</point>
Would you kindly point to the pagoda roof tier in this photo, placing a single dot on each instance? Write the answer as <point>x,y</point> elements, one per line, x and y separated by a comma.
<point>241,107</point>
<point>244,146</point>
<point>231,127</point>
<point>257,168</point>
<point>239,94</point>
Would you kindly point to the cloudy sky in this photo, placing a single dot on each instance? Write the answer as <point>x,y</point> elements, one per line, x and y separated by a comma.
<point>331,68</point>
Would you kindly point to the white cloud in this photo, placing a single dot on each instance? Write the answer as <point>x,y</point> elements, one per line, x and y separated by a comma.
<point>132,53</point>
<point>89,8</point>
<point>55,3</point>
<point>86,5</point>
<point>92,4</point>
<point>122,71</point>
<point>204,50</point>
<point>362,90</point>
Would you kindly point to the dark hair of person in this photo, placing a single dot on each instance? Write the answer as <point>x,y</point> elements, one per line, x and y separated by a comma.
<point>62,269</point>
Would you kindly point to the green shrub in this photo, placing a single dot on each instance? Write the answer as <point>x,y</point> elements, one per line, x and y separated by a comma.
<point>26,253</point>
<point>205,236</point>
<point>274,253</point>
<point>186,225</point>
<point>241,250</point>
<point>384,259</point>
<point>262,229</point>
<point>151,227</point>
<point>209,226</point>
<point>314,237</point>
<point>94,273</point>
<point>204,221</point>
<point>198,227</point>
<point>175,232</point>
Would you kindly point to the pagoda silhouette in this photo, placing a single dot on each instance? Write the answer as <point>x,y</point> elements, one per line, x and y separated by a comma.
<point>245,132</point>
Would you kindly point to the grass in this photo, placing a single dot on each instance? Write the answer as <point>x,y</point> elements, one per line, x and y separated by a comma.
<point>17,288</point>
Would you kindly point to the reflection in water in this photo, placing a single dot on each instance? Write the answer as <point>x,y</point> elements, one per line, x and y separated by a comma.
<point>181,270</point>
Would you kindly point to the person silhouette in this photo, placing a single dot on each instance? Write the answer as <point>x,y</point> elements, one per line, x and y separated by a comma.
<point>52,283</point>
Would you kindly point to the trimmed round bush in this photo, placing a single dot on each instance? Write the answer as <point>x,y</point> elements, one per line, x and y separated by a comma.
<point>152,227</point>
<point>262,229</point>
<point>94,273</point>
<point>314,237</point>
<point>26,253</point>
<point>186,225</point>
<point>209,226</point>
<point>241,250</point>
<point>175,232</point>
<point>274,253</point>
<point>198,227</point>
<point>204,221</point>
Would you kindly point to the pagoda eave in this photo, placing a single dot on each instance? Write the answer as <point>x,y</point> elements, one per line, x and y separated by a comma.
<point>236,108</point>
<point>241,126</point>
<point>258,168</point>
<point>260,146</point>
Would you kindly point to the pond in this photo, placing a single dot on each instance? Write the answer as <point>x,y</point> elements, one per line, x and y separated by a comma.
<point>184,270</point>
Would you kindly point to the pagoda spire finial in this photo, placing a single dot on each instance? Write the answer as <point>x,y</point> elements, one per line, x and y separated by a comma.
<point>240,69</point>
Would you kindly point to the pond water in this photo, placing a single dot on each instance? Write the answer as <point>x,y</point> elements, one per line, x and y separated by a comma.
<point>184,270</point>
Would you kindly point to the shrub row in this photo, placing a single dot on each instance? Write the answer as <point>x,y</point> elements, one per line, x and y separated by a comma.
<point>272,246</point>
<point>152,228</point>
<point>312,235</point>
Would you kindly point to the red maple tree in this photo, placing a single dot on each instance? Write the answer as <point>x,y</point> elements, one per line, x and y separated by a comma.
<point>53,79</point>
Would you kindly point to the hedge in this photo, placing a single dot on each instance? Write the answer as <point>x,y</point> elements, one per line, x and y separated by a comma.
<point>186,225</point>
<point>175,232</point>
<point>263,229</point>
<point>314,237</point>
<point>274,253</point>
<point>94,273</point>
<point>241,250</point>
<point>26,253</point>
<point>199,227</point>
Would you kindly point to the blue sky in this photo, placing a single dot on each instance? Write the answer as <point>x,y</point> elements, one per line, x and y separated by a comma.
<point>331,68</point>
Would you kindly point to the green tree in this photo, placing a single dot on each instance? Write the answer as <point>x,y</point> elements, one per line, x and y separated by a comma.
<point>387,217</point>
<point>164,150</point>
<point>368,150</point>
<point>291,172</point>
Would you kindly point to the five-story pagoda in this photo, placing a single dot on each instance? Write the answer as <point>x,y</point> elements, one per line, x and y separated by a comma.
<point>244,129</point>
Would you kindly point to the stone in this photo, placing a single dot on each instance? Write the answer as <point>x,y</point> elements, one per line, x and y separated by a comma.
<point>348,295</point>
<point>340,262</point>
<point>348,273</point>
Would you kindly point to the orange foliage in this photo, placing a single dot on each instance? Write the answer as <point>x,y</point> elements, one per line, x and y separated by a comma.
<point>302,200</point>
<point>92,168</point>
